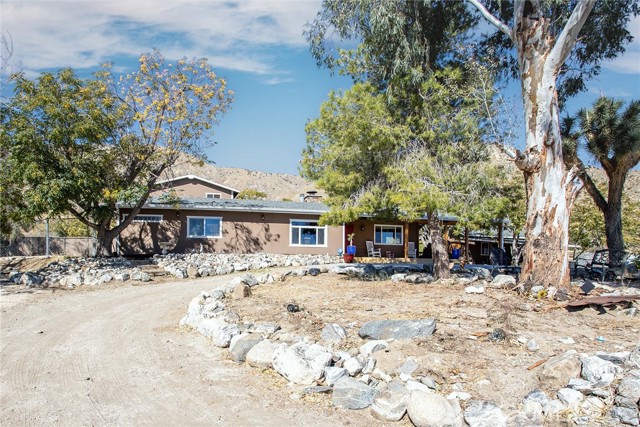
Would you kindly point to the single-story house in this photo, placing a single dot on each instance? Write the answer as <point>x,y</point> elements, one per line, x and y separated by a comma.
<point>189,213</point>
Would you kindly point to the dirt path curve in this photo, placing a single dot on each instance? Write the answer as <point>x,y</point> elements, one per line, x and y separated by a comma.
<point>114,356</point>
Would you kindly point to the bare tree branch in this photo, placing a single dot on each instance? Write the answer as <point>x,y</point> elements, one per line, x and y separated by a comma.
<point>6,52</point>
<point>593,190</point>
<point>492,19</point>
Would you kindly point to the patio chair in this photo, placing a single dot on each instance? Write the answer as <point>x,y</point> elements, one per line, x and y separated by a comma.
<point>411,249</point>
<point>372,251</point>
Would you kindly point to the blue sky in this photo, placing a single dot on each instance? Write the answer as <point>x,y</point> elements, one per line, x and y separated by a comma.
<point>256,45</point>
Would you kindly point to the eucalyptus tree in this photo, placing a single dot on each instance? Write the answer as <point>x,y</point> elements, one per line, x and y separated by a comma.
<point>542,43</point>
<point>83,145</point>
<point>552,39</point>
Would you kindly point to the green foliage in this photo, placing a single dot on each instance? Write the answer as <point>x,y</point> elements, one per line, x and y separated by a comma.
<point>509,202</point>
<point>586,226</point>
<point>348,146</point>
<point>251,194</point>
<point>406,39</point>
<point>373,158</point>
<point>350,238</point>
<point>69,227</point>
<point>432,111</point>
<point>612,135</point>
<point>51,145</point>
<point>413,38</point>
<point>631,224</point>
<point>82,145</point>
<point>445,167</point>
<point>587,229</point>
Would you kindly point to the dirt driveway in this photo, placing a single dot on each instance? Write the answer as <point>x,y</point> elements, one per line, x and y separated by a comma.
<point>114,356</point>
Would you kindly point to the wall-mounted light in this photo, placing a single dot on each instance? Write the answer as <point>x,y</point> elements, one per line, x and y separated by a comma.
<point>361,227</point>
<point>262,217</point>
<point>177,214</point>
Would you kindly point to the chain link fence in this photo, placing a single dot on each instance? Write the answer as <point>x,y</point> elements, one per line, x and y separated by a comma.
<point>55,236</point>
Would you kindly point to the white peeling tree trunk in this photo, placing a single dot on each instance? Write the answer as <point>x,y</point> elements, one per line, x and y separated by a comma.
<point>551,189</point>
<point>545,253</point>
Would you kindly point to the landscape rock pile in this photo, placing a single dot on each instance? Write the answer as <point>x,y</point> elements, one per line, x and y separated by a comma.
<point>601,389</point>
<point>73,272</point>
<point>216,264</point>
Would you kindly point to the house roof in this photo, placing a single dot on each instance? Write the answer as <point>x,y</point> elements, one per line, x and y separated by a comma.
<point>240,205</point>
<point>245,205</point>
<point>197,178</point>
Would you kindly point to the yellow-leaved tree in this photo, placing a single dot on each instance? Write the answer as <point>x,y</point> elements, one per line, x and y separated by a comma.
<point>84,145</point>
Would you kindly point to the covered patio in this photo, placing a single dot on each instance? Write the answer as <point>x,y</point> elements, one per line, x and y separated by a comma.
<point>392,239</point>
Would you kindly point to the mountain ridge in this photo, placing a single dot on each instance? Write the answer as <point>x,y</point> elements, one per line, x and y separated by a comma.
<point>283,186</point>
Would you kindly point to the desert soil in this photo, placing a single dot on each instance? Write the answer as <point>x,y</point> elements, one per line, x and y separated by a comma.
<point>114,355</point>
<point>460,353</point>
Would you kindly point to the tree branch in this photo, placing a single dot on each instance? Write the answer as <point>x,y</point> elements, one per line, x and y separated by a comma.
<point>80,218</point>
<point>629,160</point>
<point>135,209</point>
<point>593,190</point>
<point>574,184</point>
<point>492,19</point>
<point>528,161</point>
<point>567,38</point>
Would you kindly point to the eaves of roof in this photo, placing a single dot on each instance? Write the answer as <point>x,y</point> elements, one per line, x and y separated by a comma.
<point>195,177</point>
<point>237,205</point>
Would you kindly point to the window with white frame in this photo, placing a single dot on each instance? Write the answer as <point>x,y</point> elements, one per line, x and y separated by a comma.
<point>388,235</point>
<point>145,218</point>
<point>204,226</point>
<point>213,195</point>
<point>307,233</point>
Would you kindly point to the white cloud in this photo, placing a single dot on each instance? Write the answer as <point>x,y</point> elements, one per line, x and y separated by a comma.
<point>82,34</point>
<point>278,80</point>
<point>630,62</point>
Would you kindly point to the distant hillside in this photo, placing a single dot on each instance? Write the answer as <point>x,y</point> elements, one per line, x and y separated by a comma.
<point>280,186</point>
<point>277,186</point>
<point>631,185</point>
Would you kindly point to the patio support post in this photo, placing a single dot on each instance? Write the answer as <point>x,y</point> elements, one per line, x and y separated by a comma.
<point>466,244</point>
<point>501,235</point>
<point>406,240</point>
<point>46,237</point>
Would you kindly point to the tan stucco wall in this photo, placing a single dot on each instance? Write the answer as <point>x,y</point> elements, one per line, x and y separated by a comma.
<point>242,232</point>
<point>194,188</point>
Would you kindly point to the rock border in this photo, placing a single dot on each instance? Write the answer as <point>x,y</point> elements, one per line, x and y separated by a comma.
<point>604,387</point>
